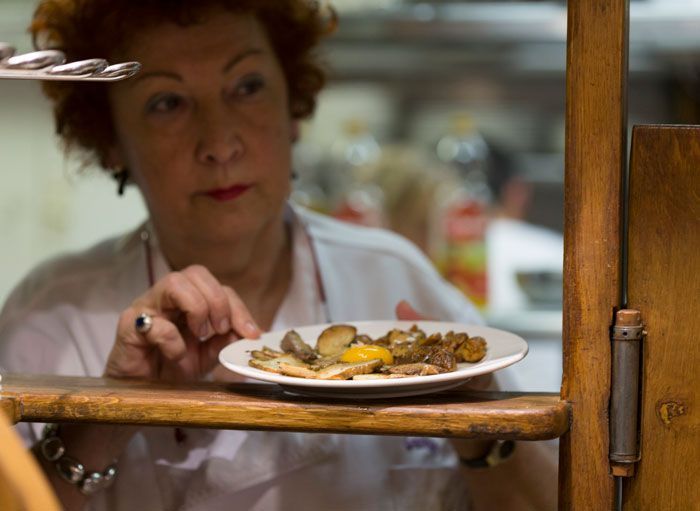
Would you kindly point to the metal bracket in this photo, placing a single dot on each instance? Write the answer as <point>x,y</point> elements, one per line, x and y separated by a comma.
<point>627,334</point>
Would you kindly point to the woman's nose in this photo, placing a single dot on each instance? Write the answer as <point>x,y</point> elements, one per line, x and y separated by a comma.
<point>219,141</point>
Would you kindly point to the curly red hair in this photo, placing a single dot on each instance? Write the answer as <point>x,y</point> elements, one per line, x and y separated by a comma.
<point>85,29</point>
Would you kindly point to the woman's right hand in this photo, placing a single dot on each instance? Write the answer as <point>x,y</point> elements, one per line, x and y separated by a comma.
<point>194,317</point>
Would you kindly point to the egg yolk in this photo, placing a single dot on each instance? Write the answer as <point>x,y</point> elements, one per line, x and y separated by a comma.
<point>369,352</point>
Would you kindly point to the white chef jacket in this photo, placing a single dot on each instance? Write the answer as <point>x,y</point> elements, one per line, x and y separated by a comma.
<point>61,320</point>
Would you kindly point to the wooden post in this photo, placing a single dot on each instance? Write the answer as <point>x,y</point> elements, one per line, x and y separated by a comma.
<point>596,147</point>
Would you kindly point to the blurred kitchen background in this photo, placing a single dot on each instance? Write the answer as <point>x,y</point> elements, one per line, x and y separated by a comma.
<point>443,120</point>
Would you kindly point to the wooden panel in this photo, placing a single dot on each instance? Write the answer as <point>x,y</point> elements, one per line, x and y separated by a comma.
<point>664,284</point>
<point>260,406</point>
<point>596,129</point>
<point>8,409</point>
<point>23,486</point>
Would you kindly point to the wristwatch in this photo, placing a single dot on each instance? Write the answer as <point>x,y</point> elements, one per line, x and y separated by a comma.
<point>499,452</point>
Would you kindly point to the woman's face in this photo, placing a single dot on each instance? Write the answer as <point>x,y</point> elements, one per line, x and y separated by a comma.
<point>205,129</point>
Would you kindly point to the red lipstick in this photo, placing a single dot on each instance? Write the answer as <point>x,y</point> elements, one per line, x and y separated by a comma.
<point>227,194</point>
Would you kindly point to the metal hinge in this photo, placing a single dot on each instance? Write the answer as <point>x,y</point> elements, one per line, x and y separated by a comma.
<point>627,335</point>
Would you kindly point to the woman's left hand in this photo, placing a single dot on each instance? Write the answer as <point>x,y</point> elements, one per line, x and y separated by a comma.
<point>406,312</point>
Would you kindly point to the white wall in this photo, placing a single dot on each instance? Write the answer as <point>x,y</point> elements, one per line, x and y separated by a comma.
<point>45,206</point>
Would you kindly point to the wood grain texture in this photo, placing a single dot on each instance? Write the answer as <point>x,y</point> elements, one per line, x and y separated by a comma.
<point>664,284</point>
<point>259,406</point>
<point>596,127</point>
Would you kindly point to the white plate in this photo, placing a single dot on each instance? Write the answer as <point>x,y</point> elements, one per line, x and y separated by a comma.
<point>503,349</point>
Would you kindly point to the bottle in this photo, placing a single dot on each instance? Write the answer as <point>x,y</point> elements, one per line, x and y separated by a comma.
<point>461,212</point>
<point>355,156</point>
<point>307,159</point>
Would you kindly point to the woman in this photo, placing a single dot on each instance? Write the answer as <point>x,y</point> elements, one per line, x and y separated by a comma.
<point>205,133</point>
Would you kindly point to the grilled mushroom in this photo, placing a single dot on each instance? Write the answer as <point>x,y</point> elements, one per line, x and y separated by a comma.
<point>272,353</point>
<point>298,371</point>
<point>347,371</point>
<point>472,350</point>
<point>375,376</point>
<point>397,336</point>
<point>293,343</point>
<point>323,362</point>
<point>260,355</point>
<point>453,340</point>
<point>431,340</point>
<point>335,339</point>
<point>418,369</point>
<point>273,365</point>
<point>442,358</point>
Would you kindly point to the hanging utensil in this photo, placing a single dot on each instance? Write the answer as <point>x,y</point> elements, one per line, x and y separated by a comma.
<point>35,60</point>
<point>80,68</point>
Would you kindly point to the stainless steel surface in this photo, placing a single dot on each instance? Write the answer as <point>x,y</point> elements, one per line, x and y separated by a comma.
<point>50,65</point>
<point>35,60</point>
<point>124,70</point>
<point>80,68</point>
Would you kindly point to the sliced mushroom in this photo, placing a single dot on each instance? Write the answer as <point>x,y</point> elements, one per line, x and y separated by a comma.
<point>298,371</point>
<point>335,339</point>
<point>453,340</point>
<point>442,358</point>
<point>260,355</point>
<point>271,352</point>
<point>414,352</point>
<point>403,352</point>
<point>418,334</point>
<point>431,340</point>
<point>362,339</point>
<point>347,371</point>
<point>273,365</point>
<point>323,362</point>
<point>399,336</point>
<point>418,369</point>
<point>293,343</point>
<point>374,376</point>
<point>472,350</point>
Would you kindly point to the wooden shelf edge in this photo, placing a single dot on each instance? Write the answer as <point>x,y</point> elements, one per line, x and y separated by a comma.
<point>460,413</point>
<point>8,408</point>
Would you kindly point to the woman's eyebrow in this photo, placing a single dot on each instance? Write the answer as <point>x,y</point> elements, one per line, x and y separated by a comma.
<point>168,74</point>
<point>241,56</point>
<point>153,74</point>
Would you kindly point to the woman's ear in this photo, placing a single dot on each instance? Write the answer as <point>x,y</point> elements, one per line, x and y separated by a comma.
<point>113,160</point>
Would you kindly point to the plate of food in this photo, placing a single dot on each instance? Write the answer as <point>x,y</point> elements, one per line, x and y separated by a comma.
<point>374,359</point>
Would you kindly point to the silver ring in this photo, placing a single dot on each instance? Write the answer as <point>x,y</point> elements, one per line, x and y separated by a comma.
<point>143,323</point>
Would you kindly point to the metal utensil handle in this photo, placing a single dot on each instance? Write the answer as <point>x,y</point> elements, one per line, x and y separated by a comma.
<point>51,65</point>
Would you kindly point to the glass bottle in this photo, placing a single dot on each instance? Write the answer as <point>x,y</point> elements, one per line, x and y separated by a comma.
<point>461,212</point>
<point>307,159</point>
<point>355,156</point>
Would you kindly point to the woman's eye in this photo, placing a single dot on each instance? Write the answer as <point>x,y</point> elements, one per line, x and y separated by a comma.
<point>249,86</point>
<point>164,103</point>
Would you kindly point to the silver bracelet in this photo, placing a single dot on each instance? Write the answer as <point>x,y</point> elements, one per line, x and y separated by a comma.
<point>71,470</point>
